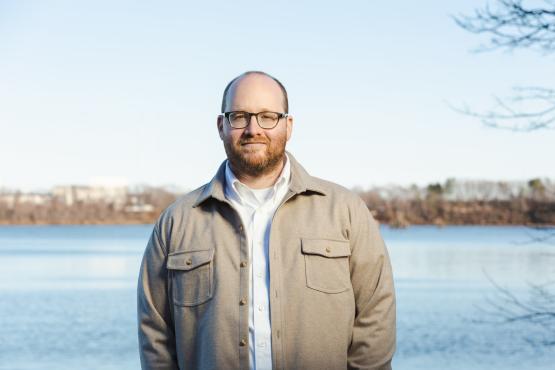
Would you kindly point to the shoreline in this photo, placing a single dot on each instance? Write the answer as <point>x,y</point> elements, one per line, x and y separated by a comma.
<point>391,225</point>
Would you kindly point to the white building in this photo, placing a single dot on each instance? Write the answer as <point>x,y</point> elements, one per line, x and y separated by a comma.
<point>71,194</point>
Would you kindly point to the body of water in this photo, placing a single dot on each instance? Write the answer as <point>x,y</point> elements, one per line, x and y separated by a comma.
<point>67,297</point>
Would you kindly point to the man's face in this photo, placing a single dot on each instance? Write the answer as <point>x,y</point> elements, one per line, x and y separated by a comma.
<point>252,150</point>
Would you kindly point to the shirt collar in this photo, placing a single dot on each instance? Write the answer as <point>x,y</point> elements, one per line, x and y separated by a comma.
<point>239,192</point>
<point>300,182</point>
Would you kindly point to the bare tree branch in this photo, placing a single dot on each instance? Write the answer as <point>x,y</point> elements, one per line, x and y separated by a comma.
<point>529,109</point>
<point>506,307</point>
<point>511,25</point>
<point>541,234</point>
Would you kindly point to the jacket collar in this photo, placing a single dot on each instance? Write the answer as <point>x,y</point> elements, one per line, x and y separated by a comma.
<point>300,182</point>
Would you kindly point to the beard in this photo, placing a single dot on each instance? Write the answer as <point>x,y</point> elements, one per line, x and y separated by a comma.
<point>255,161</point>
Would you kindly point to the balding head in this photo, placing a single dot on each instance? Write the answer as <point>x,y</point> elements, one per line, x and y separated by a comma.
<point>256,154</point>
<point>270,82</point>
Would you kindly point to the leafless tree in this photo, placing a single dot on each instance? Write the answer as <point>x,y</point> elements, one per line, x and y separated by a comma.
<point>536,308</point>
<point>539,234</point>
<point>510,25</point>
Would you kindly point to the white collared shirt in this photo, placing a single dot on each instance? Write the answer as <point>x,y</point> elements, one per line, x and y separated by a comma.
<point>256,208</point>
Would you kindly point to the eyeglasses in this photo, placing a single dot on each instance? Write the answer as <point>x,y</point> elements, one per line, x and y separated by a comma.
<point>266,120</point>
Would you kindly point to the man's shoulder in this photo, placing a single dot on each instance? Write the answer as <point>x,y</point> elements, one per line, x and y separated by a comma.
<point>181,205</point>
<point>335,191</point>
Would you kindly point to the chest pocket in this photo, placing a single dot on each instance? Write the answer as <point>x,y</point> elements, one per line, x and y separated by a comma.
<point>192,276</point>
<point>327,264</point>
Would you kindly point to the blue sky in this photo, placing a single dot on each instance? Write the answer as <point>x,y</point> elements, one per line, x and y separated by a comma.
<point>129,91</point>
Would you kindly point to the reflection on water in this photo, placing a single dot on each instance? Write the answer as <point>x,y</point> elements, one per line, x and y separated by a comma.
<point>68,296</point>
<point>70,257</point>
<point>466,253</point>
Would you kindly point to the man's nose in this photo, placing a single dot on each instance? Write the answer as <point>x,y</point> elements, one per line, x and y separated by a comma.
<point>252,127</point>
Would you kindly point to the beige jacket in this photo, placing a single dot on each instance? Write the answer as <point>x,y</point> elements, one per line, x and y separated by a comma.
<point>332,301</point>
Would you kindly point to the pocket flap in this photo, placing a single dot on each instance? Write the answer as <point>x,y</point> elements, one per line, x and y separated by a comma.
<point>326,248</point>
<point>189,260</point>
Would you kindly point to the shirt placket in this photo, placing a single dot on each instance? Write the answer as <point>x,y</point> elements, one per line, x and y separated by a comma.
<point>256,214</point>
<point>262,334</point>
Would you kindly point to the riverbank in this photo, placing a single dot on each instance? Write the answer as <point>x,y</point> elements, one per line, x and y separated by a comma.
<point>454,202</point>
<point>395,212</point>
<point>402,213</point>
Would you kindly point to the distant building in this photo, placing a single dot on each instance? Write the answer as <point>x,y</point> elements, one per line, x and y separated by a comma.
<point>139,208</point>
<point>11,199</point>
<point>71,194</point>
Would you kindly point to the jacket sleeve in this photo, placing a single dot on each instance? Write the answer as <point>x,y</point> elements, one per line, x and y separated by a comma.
<point>156,333</point>
<point>374,330</point>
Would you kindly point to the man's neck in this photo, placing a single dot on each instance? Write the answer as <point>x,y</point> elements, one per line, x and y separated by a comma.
<point>261,181</point>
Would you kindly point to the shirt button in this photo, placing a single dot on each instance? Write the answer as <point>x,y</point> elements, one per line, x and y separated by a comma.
<point>259,274</point>
<point>243,302</point>
<point>240,227</point>
<point>243,342</point>
<point>243,264</point>
<point>260,308</point>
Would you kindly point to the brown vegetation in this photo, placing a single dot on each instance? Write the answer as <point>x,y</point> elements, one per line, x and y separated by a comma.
<point>401,213</point>
<point>452,203</point>
<point>135,208</point>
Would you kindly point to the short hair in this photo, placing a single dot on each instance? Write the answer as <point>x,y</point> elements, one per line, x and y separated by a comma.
<point>285,99</point>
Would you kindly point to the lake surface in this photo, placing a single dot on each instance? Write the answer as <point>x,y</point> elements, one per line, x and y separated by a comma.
<point>67,297</point>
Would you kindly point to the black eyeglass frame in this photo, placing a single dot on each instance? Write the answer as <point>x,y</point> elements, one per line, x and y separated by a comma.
<point>249,115</point>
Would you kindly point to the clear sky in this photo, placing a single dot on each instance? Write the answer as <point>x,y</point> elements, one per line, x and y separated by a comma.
<point>129,91</point>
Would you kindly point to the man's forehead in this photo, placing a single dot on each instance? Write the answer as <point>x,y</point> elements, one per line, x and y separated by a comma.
<point>255,81</point>
<point>255,87</point>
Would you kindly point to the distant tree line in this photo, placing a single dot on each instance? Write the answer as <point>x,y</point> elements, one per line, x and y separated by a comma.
<point>451,202</point>
<point>465,203</point>
<point>137,208</point>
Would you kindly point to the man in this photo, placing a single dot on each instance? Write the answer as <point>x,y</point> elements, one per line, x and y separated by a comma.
<point>265,267</point>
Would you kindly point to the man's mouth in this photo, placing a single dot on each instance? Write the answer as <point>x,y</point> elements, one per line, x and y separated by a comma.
<point>253,143</point>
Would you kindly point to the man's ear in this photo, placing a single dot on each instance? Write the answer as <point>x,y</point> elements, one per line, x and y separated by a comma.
<point>289,127</point>
<point>220,124</point>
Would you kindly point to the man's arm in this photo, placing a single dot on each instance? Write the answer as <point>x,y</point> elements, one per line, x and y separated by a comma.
<point>373,342</point>
<point>156,334</point>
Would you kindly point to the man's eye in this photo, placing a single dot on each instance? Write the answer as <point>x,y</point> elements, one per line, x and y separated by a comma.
<point>238,116</point>
<point>268,115</point>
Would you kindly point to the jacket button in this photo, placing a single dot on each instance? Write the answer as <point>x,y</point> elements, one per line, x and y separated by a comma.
<point>243,342</point>
<point>328,250</point>
<point>243,302</point>
<point>189,261</point>
<point>243,264</point>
